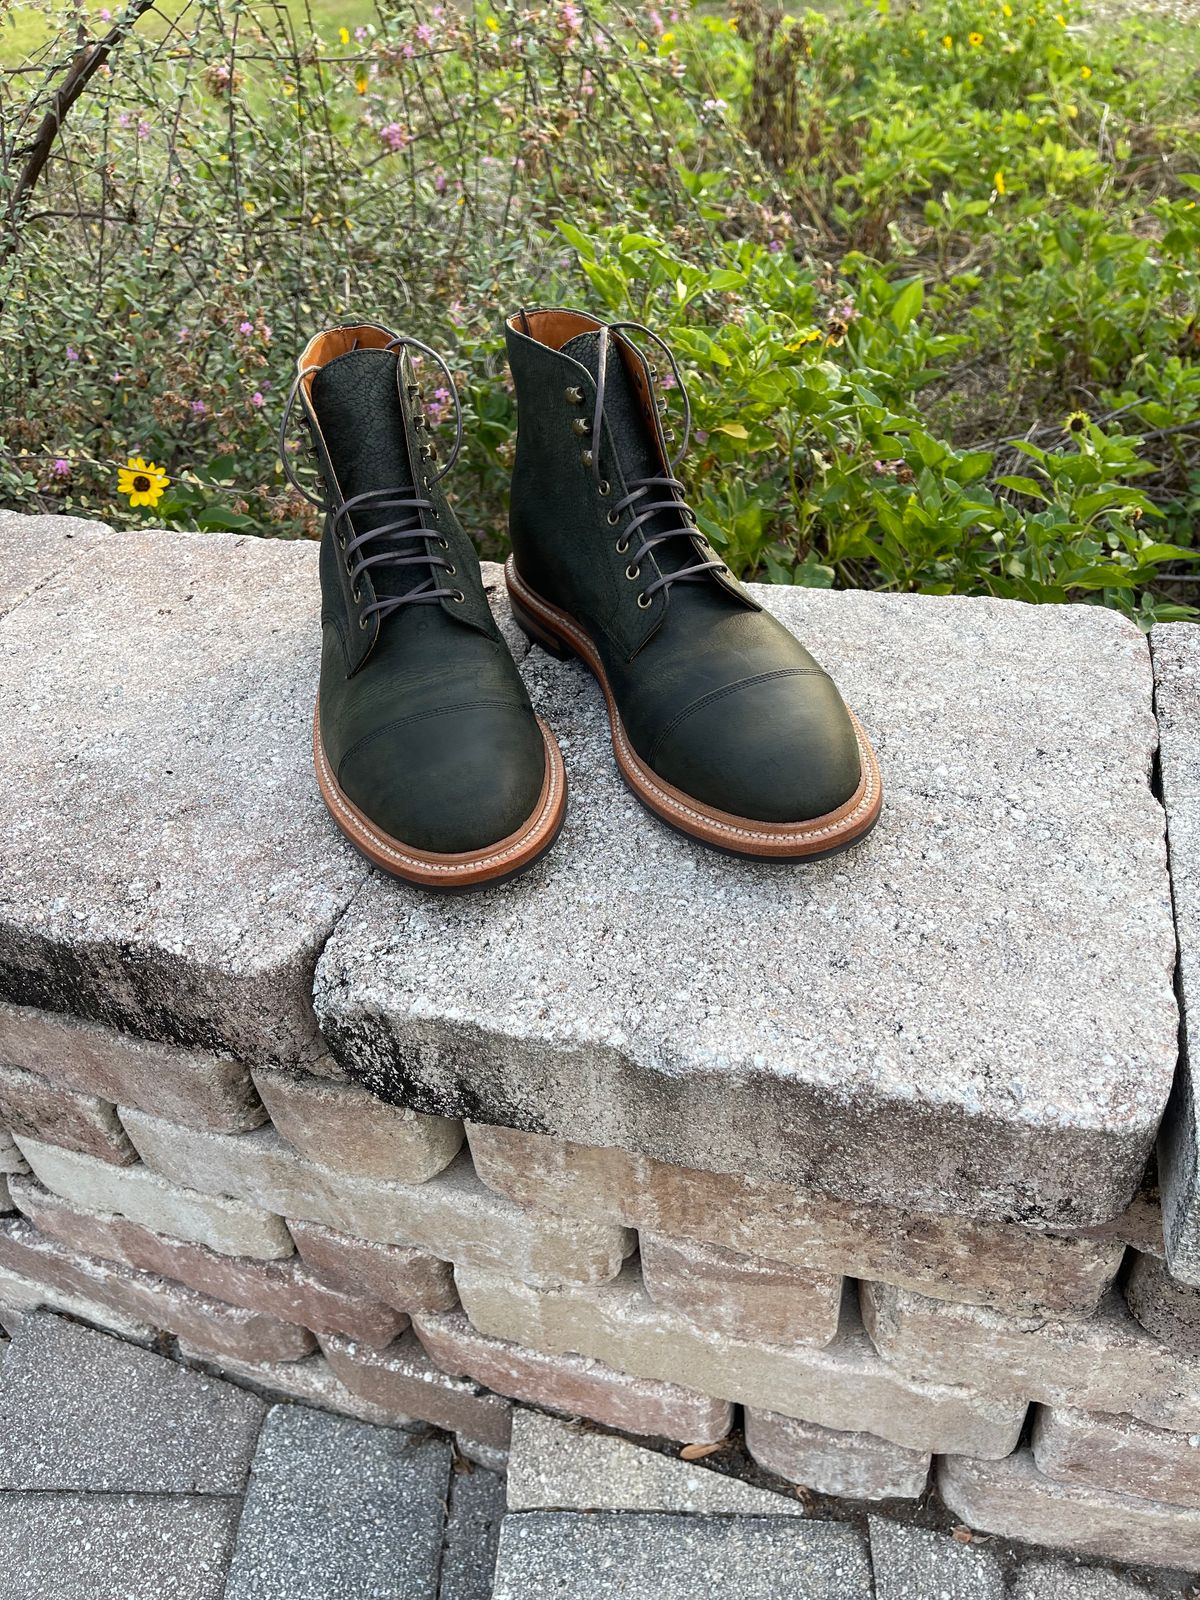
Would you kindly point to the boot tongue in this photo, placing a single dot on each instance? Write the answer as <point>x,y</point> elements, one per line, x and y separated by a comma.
<point>358,407</point>
<point>622,409</point>
<point>635,445</point>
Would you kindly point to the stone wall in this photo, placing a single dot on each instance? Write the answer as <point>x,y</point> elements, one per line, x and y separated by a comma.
<point>857,1157</point>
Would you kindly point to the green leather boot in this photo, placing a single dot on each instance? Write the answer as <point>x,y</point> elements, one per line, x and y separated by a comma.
<point>428,753</point>
<point>722,723</point>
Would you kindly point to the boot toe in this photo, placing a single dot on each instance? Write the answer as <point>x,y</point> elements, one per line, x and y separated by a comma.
<point>780,749</point>
<point>458,781</point>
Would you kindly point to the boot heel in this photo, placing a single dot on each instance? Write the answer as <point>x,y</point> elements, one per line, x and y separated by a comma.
<point>536,632</point>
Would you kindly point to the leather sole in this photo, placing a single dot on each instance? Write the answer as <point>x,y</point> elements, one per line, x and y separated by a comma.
<point>808,840</point>
<point>469,869</point>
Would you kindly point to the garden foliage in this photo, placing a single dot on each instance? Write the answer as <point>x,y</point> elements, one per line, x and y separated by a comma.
<point>932,270</point>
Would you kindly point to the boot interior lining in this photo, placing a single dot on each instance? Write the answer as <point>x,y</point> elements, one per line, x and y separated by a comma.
<point>554,327</point>
<point>326,347</point>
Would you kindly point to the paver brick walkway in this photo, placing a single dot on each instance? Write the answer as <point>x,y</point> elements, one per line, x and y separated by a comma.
<point>124,1476</point>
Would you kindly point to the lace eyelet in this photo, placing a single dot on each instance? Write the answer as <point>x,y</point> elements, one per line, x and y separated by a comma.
<point>622,545</point>
<point>356,595</point>
<point>445,543</point>
<point>644,602</point>
<point>574,396</point>
<point>364,623</point>
<point>582,425</point>
<point>613,518</point>
<point>451,572</point>
<point>586,457</point>
<point>633,573</point>
<point>458,597</point>
<point>603,487</point>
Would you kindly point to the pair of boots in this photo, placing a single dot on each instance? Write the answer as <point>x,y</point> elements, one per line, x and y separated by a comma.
<point>428,753</point>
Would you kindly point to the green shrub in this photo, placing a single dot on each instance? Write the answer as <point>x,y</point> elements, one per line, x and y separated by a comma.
<point>933,270</point>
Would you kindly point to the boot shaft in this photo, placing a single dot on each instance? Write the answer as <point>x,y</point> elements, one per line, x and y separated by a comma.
<point>362,402</point>
<point>569,535</point>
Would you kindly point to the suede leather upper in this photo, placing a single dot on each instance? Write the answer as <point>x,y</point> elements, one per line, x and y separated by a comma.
<point>424,718</point>
<point>715,695</point>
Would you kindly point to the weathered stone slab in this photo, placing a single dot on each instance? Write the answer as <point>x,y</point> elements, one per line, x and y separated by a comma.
<point>20,1294</point>
<point>453,1215</point>
<point>624,1555</point>
<point>575,1385</point>
<point>341,1126</point>
<point>402,1380</point>
<point>1104,1451</point>
<point>853,1466</point>
<point>33,549</point>
<point>340,1508</point>
<point>955,1018</point>
<point>234,1227</point>
<point>149,1298</point>
<point>1001,1264</point>
<point>1176,652</point>
<point>919,1564</point>
<point>555,1465</point>
<point>39,1110</point>
<point>286,1289</point>
<point>6,1199</point>
<point>59,1547</point>
<point>746,1297</point>
<point>83,1411</point>
<point>11,1159</point>
<point>1013,1498</point>
<point>311,1381</point>
<point>167,685</point>
<point>399,1275</point>
<point>1109,1363</point>
<point>845,1385</point>
<point>189,1086</point>
<point>1165,1307</point>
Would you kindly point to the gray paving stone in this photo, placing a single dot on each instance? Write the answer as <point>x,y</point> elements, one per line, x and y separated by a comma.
<point>84,1411</point>
<point>555,1465</point>
<point>921,1564</point>
<point>340,1510</point>
<point>1012,907</point>
<point>472,1535</point>
<point>1065,1579</point>
<point>33,549</point>
<point>627,1556</point>
<point>173,694</point>
<point>114,1547</point>
<point>1176,651</point>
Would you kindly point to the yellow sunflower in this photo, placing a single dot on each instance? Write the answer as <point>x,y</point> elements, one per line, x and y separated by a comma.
<point>142,481</point>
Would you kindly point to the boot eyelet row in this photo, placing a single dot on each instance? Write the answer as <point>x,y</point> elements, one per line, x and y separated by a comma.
<point>644,603</point>
<point>633,573</point>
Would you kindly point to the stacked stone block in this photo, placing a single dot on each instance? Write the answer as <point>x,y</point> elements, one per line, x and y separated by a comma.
<point>855,1159</point>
